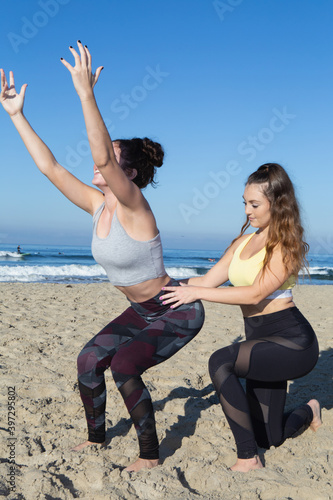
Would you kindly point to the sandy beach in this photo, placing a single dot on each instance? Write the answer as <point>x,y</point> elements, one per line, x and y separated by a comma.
<point>44,327</point>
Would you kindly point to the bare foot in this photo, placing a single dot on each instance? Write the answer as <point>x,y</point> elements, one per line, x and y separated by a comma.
<point>83,445</point>
<point>245,465</point>
<point>142,463</point>
<point>316,421</point>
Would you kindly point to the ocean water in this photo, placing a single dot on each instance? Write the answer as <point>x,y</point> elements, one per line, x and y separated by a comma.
<point>73,264</point>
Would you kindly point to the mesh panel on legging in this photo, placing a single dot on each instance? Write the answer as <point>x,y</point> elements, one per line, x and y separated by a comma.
<point>272,359</point>
<point>232,399</point>
<point>139,405</point>
<point>94,401</point>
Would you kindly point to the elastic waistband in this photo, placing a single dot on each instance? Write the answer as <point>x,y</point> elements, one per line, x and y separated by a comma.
<point>280,294</point>
<point>274,323</point>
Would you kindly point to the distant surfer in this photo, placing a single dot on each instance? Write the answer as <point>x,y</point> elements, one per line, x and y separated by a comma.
<point>19,249</point>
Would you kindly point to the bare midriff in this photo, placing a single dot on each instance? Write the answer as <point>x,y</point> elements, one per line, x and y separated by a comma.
<point>267,306</point>
<point>145,290</point>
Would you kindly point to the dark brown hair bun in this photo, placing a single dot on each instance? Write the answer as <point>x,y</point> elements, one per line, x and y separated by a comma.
<point>154,152</point>
<point>142,154</point>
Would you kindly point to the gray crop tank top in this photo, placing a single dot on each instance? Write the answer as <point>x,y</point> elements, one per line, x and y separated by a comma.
<point>126,261</point>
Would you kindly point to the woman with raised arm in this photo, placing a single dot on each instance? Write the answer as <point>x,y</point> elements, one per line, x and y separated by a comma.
<point>280,344</point>
<point>127,243</point>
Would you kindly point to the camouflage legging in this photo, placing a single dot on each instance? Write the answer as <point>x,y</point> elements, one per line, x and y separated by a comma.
<point>144,335</point>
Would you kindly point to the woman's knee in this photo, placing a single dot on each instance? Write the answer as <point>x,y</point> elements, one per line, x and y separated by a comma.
<point>93,359</point>
<point>86,361</point>
<point>222,357</point>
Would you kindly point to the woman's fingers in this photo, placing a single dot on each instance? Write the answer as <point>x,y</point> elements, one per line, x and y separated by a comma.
<point>83,54</point>
<point>170,301</point>
<point>4,83</point>
<point>76,56</point>
<point>88,56</point>
<point>172,297</point>
<point>169,297</point>
<point>82,77</point>
<point>96,75</point>
<point>66,64</point>
<point>11,100</point>
<point>3,80</point>
<point>174,301</point>
<point>81,60</point>
<point>4,90</point>
<point>23,89</point>
<point>11,80</point>
<point>176,305</point>
<point>9,89</point>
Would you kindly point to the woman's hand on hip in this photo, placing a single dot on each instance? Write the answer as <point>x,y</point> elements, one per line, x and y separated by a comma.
<point>183,294</point>
<point>83,78</point>
<point>11,101</point>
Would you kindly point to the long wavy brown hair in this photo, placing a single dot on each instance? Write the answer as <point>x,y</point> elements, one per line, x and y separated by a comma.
<point>285,228</point>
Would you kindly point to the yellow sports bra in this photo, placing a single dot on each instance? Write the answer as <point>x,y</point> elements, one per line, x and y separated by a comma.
<point>243,272</point>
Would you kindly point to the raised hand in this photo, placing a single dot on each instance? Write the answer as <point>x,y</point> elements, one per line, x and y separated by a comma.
<point>83,78</point>
<point>9,98</point>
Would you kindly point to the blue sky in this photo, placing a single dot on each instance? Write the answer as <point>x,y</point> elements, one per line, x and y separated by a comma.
<point>223,85</point>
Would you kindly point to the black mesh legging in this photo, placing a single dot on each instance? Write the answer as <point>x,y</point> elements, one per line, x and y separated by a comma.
<point>141,337</point>
<point>280,346</point>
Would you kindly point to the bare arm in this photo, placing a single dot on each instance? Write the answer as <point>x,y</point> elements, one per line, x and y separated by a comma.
<point>264,285</point>
<point>76,191</point>
<point>100,141</point>
<point>218,274</point>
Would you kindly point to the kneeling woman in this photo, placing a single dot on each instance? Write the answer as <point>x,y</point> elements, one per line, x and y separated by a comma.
<point>280,344</point>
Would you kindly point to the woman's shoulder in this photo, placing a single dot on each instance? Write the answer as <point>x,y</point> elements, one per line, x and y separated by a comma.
<point>244,237</point>
<point>139,222</point>
<point>237,244</point>
<point>241,240</point>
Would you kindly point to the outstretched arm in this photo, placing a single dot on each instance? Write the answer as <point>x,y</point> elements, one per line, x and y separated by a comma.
<point>263,286</point>
<point>218,274</point>
<point>99,139</point>
<point>76,191</point>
